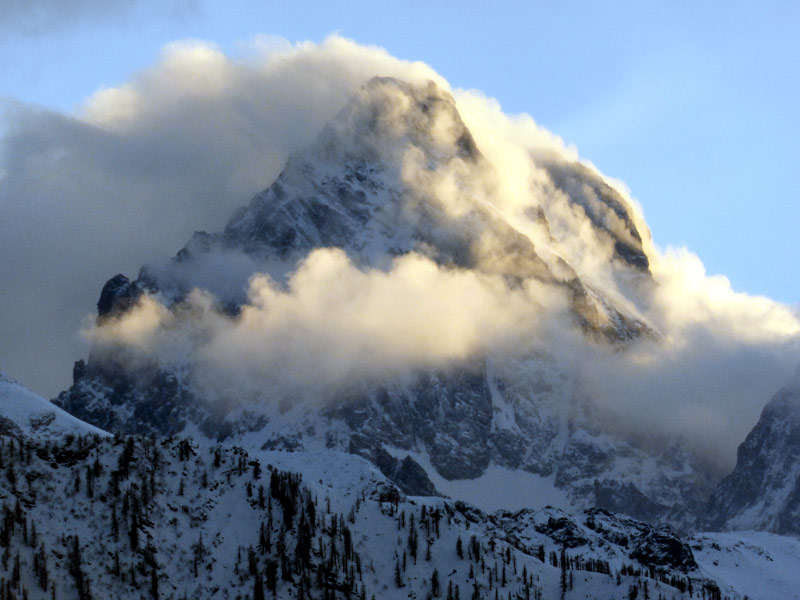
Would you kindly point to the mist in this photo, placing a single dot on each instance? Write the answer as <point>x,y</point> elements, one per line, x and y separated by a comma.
<point>126,180</point>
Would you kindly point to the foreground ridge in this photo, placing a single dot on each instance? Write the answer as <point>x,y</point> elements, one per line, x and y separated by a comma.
<point>128,516</point>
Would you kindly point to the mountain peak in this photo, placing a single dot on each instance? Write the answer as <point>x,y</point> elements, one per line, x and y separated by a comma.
<point>397,175</point>
<point>388,113</point>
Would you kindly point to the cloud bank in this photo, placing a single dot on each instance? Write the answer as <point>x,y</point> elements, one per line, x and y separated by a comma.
<point>331,325</point>
<point>139,168</point>
<point>180,147</point>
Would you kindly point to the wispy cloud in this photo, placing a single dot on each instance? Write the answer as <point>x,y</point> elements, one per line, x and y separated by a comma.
<point>39,17</point>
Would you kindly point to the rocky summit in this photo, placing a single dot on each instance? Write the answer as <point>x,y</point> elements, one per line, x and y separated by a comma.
<point>354,190</point>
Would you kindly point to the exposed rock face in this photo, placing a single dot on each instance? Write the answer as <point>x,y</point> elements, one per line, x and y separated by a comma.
<point>663,547</point>
<point>147,401</point>
<point>406,474</point>
<point>619,536</point>
<point>450,413</point>
<point>118,295</point>
<point>368,187</point>
<point>459,419</point>
<point>135,403</point>
<point>603,206</point>
<point>763,491</point>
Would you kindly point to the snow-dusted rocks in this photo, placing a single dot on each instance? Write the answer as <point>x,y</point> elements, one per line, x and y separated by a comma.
<point>763,491</point>
<point>23,414</point>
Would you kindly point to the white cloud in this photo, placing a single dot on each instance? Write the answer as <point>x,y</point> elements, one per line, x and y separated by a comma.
<point>176,149</point>
<point>187,141</point>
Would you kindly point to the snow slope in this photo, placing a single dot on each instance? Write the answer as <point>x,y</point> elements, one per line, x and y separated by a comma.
<point>760,565</point>
<point>99,517</point>
<point>23,413</point>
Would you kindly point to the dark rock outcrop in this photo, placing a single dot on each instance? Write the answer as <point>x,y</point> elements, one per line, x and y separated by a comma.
<point>763,491</point>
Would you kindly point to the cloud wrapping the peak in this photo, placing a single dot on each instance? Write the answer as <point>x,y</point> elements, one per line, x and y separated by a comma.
<point>130,177</point>
<point>333,324</point>
<point>190,139</point>
<point>337,324</point>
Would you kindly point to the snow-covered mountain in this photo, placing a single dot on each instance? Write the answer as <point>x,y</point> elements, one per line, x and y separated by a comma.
<point>763,491</point>
<point>481,469</point>
<point>375,186</point>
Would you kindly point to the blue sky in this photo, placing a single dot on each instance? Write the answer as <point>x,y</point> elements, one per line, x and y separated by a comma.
<point>692,104</point>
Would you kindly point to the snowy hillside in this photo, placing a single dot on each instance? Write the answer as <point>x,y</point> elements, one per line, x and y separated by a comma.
<point>114,517</point>
<point>754,563</point>
<point>24,414</point>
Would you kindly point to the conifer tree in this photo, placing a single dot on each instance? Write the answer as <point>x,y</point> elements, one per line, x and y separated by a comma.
<point>435,583</point>
<point>258,588</point>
